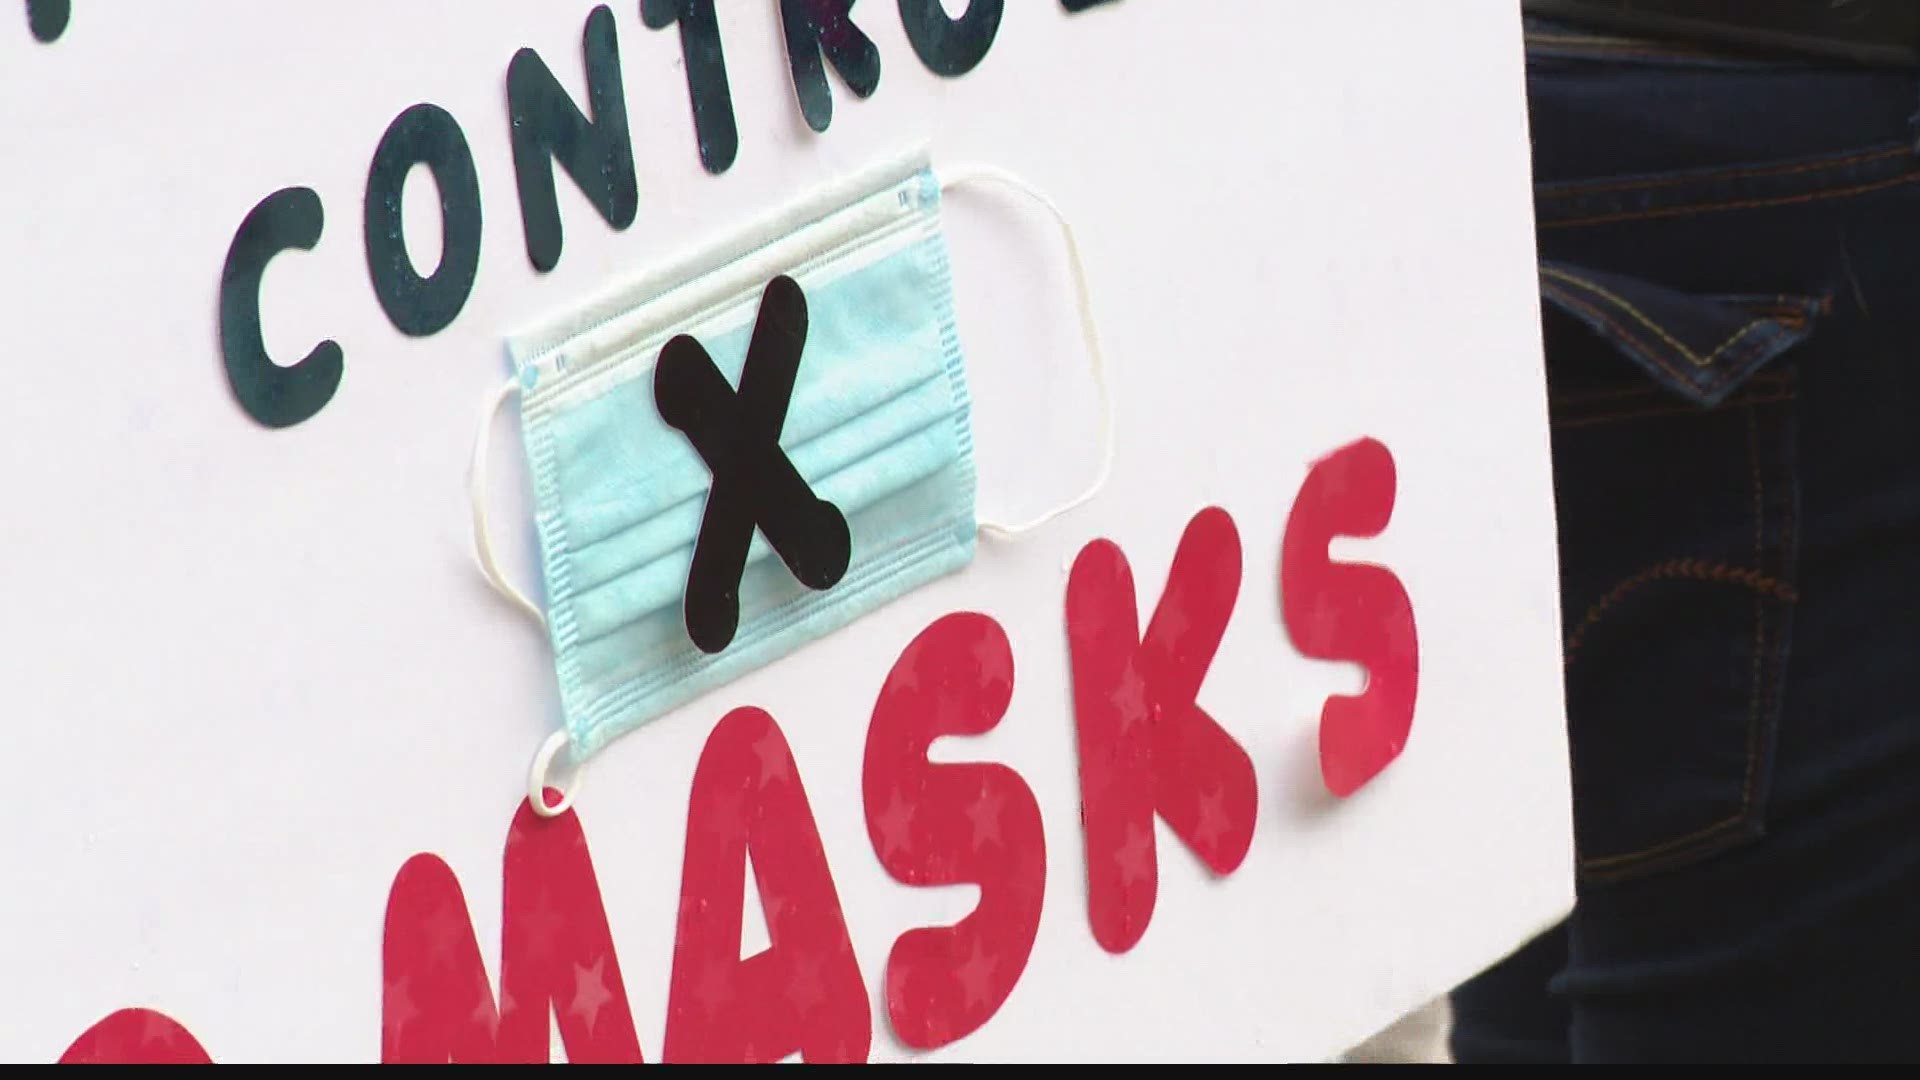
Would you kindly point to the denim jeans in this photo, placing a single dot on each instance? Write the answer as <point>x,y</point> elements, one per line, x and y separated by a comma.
<point>1730,286</point>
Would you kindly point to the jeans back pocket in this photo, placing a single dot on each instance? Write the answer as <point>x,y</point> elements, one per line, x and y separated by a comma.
<point>1677,517</point>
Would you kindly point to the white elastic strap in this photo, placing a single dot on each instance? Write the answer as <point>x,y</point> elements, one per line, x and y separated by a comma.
<point>477,495</point>
<point>971,173</point>
<point>539,778</point>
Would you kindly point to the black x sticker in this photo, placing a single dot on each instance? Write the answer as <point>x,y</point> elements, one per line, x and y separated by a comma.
<point>754,483</point>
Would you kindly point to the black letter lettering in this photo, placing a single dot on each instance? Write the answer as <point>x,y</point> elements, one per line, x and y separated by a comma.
<point>273,395</point>
<point>597,153</point>
<point>48,18</point>
<point>713,125</point>
<point>814,27</point>
<point>423,135</point>
<point>950,46</point>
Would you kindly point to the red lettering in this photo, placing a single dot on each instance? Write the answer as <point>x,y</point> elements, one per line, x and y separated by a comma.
<point>803,992</point>
<point>136,1037</point>
<point>949,823</point>
<point>1350,611</point>
<point>557,959</point>
<point>1146,746</point>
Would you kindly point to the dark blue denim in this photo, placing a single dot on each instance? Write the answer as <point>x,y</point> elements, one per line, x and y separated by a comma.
<point>1730,284</point>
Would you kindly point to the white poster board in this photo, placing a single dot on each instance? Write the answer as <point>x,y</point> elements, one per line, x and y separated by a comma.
<point>250,672</point>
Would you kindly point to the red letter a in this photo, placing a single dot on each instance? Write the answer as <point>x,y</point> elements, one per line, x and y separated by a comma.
<point>804,991</point>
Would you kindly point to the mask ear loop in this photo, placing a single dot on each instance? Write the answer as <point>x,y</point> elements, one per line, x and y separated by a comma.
<point>972,173</point>
<point>539,775</point>
<point>477,497</point>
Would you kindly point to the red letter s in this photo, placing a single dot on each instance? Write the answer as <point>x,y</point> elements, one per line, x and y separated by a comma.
<point>942,824</point>
<point>1347,611</point>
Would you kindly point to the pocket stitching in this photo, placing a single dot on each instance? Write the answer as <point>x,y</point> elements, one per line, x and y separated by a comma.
<point>1638,414</point>
<point>1568,191</point>
<point>1646,321</point>
<point>1764,381</point>
<point>1743,204</point>
<point>1608,321</point>
<point>1640,345</point>
<point>1605,868</point>
<point>1721,573</point>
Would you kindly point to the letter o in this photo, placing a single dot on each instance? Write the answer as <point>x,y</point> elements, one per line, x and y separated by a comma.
<point>418,306</point>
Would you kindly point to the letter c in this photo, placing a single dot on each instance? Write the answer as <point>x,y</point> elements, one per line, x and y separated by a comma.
<point>273,395</point>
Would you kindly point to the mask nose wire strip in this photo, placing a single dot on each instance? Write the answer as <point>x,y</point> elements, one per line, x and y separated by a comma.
<point>477,496</point>
<point>970,173</point>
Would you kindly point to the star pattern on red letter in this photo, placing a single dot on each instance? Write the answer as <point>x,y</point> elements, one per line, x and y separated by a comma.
<point>485,1015</point>
<point>1130,698</point>
<point>590,992</point>
<point>399,1007</point>
<point>895,824</point>
<point>985,815</point>
<point>976,975</point>
<point>1213,817</point>
<point>772,752</point>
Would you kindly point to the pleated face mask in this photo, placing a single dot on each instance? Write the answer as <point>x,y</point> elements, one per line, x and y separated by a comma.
<point>746,451</point>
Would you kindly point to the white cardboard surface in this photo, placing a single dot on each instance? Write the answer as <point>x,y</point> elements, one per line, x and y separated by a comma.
<point>247,673</point>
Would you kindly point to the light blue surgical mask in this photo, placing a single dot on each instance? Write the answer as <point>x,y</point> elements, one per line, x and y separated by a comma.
<point>879,424</point>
